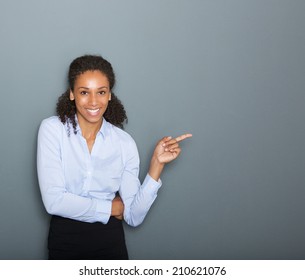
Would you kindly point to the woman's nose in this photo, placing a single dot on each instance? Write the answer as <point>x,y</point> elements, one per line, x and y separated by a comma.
<point>92,99</point>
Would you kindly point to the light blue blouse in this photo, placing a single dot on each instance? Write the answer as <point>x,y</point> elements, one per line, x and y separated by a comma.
<point>80,185</point>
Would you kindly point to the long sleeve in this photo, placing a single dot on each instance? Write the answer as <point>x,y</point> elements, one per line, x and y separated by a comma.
<point>137,197</point>
<point>56,196</point>
<point>80,185</point>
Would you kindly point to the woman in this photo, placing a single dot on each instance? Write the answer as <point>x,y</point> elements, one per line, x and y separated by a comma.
<point>88,167</point>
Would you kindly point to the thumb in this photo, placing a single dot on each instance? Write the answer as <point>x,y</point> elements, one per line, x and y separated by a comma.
<point>164,140</point>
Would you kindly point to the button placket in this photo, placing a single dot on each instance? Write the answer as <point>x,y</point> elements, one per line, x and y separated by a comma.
<point>88,168</point>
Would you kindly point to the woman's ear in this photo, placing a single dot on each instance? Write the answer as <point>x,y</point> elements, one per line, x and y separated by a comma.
<point>109,96</point>
<point>71,95</point>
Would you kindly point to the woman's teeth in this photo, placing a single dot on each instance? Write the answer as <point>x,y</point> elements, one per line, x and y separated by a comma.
<point>93,111</point>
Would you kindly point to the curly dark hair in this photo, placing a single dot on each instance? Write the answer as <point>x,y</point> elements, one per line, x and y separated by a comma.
<point>66,109</point>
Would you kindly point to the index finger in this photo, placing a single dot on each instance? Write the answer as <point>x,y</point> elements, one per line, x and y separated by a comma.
<point>183,137</point>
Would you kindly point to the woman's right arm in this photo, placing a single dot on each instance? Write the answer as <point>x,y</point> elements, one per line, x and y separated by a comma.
<point>56,198</point>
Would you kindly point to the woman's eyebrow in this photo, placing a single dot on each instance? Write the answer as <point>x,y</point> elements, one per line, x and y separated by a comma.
<point>90,88</point>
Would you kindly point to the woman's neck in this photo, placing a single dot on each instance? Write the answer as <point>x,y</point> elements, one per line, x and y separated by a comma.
<point>89,131</point>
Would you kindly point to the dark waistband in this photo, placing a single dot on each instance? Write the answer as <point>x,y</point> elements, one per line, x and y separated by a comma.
<point>112,223</point>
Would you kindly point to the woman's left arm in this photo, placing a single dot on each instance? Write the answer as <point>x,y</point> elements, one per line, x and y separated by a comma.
<point>138,197</point>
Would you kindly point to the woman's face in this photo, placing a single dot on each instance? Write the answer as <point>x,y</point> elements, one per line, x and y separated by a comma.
<point>91,94</point>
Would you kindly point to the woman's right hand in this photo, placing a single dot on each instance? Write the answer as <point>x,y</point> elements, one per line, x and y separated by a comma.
<point>117,209</point>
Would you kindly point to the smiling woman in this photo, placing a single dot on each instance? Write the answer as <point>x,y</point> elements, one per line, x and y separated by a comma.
<point>66,107</point>
<point>89,179</point>
<point>91,94</point>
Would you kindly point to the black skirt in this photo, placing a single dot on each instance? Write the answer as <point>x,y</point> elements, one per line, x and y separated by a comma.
<point>74,240</point>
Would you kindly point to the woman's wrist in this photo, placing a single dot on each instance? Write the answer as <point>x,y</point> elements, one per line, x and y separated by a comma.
<point>155,169</point>
<point>117,207</point>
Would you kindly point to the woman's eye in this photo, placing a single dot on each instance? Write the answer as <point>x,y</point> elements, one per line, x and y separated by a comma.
<point>83,92</point>
<point>102,92</point>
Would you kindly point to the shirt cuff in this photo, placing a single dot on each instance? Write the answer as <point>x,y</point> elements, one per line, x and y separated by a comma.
<point>103,211</point>
<point>150,185</point>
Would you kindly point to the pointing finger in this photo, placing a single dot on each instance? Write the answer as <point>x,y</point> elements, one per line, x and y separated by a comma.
<point>183,137</point>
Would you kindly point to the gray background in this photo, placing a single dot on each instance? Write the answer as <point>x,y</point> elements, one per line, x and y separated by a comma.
<point>230,72</point>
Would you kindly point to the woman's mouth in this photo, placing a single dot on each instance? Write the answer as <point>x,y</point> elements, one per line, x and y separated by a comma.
<point>93,112</point>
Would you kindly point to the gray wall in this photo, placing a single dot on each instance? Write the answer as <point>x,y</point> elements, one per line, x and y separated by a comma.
<point>230,72</point>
